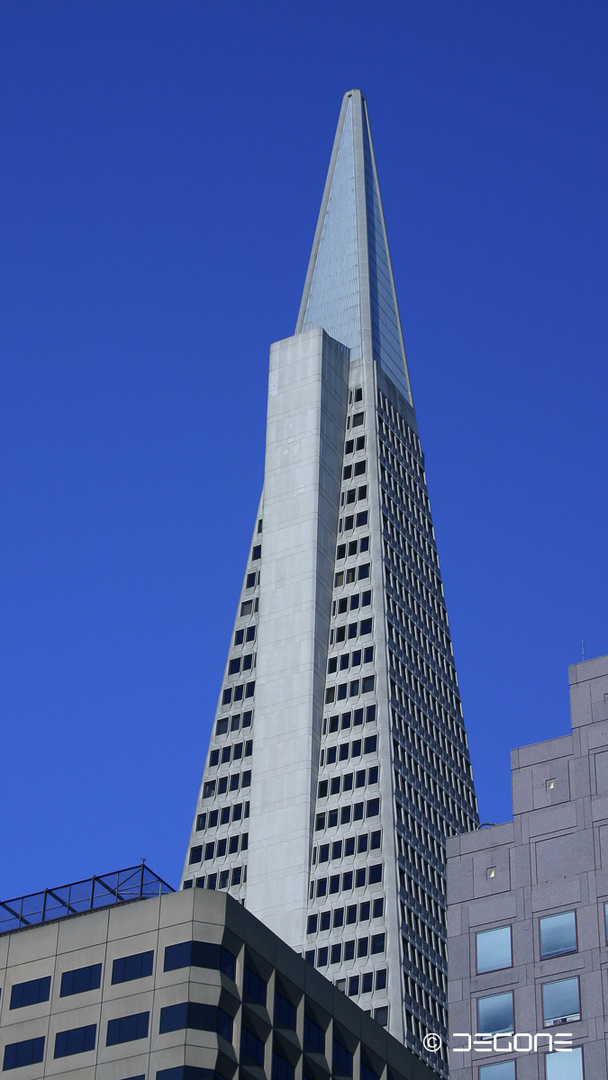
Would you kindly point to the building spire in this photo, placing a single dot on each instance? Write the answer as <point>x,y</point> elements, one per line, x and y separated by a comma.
<point>349,288</point>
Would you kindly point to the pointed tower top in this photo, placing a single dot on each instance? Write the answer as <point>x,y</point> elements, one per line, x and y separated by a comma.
<point>349,288</point>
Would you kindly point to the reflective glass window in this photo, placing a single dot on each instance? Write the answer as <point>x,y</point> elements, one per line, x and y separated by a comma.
<point>495,1013</point>
<point>494,949</point>
<point>561,1001</point>
<point>561,1066</point>
<point>502,1070</point>
<point>557,934</point>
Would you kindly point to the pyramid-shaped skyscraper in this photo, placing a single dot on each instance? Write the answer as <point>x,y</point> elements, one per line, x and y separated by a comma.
<point>338,761</point>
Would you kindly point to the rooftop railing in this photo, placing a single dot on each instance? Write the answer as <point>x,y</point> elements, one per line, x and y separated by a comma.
<point>134,883</point>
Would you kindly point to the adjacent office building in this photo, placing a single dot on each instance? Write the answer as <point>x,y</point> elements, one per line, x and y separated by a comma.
<point>338,761</point>
<point>528,910</point>
<point>119,978</point>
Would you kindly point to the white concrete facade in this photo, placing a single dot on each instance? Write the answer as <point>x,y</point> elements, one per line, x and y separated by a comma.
<point>307,399</point>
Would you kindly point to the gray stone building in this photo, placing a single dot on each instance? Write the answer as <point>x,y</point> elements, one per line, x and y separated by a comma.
<point>173,986</point>
<point>528,911</point>
<point>338,761</point>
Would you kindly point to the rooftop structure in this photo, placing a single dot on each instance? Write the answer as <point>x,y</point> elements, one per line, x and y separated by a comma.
<point>134,883</point>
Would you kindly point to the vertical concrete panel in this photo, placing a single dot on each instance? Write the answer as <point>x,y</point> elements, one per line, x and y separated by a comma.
<point>307,401</point>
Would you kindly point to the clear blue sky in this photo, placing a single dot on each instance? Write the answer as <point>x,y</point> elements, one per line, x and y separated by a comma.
<point>162,169</point>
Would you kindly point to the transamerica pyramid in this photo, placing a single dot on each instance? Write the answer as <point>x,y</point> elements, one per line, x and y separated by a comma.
<point>338,762</point>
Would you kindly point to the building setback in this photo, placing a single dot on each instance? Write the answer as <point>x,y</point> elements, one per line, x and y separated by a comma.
<point>183,986</point>
<point>338,761</point>
<point>528,909</point>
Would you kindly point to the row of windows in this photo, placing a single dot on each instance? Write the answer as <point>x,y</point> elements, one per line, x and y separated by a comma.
<point>347,813</point>
<point>560,1004</point>
<point>366,685</point>
<point>558,1066</point>
<point>353,547</point>
<point>79,980</point>
<point>358,469</point>
<point>246,661</point>
<point>357,716</point>
<point>366,910</point>
<point>354,629</point>
<point>229,845</point>
<point>354,573</point>
<point>364,842</point>
<point>344,751</point>
<point>354,659</point>
<point>352,521</point>
<point>347,781</point>
<point>351,446</point>
<point>235,751</point>
<point>364,875</point>
<point>348,498</point>
<point>361,877</point>
<point>211,818</point>
<point>557,937</point>
<point>236,693</point>
<point>340,633</point>
<point>352,602</point>
<point>227,783</point>
<point>230,878</point>
<point>244,634</point>
<point>243,721</point>
<point>362,947</point>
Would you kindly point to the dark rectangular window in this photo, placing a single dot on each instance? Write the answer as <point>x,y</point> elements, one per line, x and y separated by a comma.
<point>76,1041</point>
<point>127,968</point>
<point>252,1048</point>
<point>314,1036</point>
<point>19,1054</point>
<point>373,807</point>
<point>80,980</point>
<point>30,993</point>
<point>284,1012</point>
<point>195,854</point>
<point>378,947</point>
<point>281,1069</point>
<point>342,1060</point>
<point>128,1028</point>
<point>198,1017</point>
<point>367,684</point>
<point>254,986</point>
<point>202,954</point>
